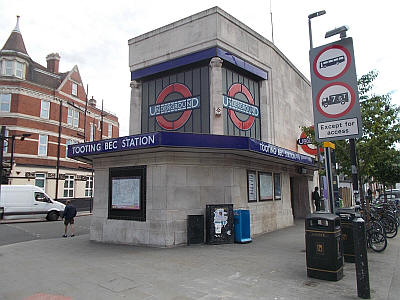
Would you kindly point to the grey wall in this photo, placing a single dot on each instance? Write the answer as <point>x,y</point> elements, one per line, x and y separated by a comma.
<point>183,183</point>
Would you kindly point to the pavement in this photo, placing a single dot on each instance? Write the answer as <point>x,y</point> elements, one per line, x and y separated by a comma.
<point>272,266</point>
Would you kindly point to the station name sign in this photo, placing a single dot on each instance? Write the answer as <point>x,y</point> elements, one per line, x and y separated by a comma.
<point>114,145</point>
<point>186,140</point>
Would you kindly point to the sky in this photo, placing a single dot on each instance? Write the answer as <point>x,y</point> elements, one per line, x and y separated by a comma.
<point>94,36</point>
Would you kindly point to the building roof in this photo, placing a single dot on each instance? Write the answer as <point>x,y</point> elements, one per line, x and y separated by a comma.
<point>15,41</point>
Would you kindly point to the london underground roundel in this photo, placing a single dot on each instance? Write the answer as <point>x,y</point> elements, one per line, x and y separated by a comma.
<point>335,99</point>
<point>309,148</point>
<point>233,90</point>
<point>184,117</point>
<point>332,62</point>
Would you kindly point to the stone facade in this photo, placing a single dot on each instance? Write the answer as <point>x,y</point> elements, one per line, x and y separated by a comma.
<point>181,184</point>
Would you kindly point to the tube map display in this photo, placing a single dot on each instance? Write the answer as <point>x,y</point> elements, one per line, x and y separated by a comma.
<point>125,193</point>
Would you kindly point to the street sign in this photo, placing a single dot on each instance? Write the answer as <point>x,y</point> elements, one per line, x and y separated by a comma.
<point>334,88</point>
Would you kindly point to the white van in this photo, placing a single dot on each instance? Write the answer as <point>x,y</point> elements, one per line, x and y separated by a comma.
<point>28,201</point>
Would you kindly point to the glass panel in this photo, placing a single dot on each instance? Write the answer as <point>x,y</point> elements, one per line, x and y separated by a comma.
<point>44,113</point>
<point>65,193</point>
<point>5,101</point>
<point>19,71</point>
<point>265,186</point>
<point>9,67</point>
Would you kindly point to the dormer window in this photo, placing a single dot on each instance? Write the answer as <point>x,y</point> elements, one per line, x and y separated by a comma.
<point>74,89</point>
<point>12,68</point>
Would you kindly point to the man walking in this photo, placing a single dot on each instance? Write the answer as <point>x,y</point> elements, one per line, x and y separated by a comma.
<point>69,215</point>
<point>315,196</point>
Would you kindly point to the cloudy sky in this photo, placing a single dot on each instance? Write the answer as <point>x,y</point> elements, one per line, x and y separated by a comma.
<point>94,35</point>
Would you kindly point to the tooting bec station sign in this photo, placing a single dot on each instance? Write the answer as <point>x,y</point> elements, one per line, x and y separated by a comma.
<point>336,107</point>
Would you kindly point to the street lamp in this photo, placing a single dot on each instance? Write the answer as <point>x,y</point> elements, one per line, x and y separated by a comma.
<point>341,30</point>
<point>311,16</point>
<point>13,137</point>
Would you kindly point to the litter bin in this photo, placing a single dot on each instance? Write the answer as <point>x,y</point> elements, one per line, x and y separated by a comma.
<point>324,251</point>
<point>195,229</point>
<point>347,215</point>
<point>219,224</point>
<point>242,226</point>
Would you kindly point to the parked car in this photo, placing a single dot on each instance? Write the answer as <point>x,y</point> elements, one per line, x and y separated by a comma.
<point>28,201</point>
<point>391,195</point>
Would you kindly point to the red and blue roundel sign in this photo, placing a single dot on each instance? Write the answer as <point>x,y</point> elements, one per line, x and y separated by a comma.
<point>234,105</point>
<point>185,105</point>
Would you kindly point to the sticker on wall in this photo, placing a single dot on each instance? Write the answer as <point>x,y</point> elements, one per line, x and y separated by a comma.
<point>186,104</point>
<point>235,105</point>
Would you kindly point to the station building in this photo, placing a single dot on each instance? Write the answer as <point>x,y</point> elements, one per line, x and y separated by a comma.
<point>215,113</point>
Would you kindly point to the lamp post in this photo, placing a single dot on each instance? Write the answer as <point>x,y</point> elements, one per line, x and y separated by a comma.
<point>311,16</point>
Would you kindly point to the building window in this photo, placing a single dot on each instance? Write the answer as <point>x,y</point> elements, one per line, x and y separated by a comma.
<point>40,180</point>
<point>265,186</point>
<point>74,89</point>
<point>5,102</point>
<point>68,143</point>
<point>19,70</point>
<point>73,117</point>
<point>110,130</point>
<point>45,109</point>
<point>13,68</point>
<point>91,138</point>
<point>5,142</point>
<point>9,69</point>
<point>89,187</point>
<point>277,186</point>
<point>69,186</point>
<point>42,149</point>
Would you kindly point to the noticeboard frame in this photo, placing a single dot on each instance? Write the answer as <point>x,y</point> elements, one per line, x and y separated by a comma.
<point>134,172</point>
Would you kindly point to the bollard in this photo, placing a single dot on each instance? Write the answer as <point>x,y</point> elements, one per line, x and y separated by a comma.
<point>361,259</point>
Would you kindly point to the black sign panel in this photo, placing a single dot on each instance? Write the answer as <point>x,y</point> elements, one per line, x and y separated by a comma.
<point>241,103</point>
<point>177,102</point>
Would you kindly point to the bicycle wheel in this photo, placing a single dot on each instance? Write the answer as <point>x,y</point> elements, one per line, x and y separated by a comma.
<point>377,241</point>
<point>378,226</point>
<point>390,226</point>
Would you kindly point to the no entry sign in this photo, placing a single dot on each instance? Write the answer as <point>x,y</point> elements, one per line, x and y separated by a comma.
<point>334,88</point>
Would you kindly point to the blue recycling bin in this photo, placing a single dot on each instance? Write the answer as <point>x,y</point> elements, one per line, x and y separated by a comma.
<point>242,225</point>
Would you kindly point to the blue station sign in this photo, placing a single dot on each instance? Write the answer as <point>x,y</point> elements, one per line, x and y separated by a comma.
<point>186,140</point>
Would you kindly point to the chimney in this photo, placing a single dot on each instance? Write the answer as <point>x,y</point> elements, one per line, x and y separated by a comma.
<point>53,62</point>
<point>92,102</point>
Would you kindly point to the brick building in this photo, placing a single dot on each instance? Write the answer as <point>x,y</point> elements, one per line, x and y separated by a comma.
<point>44,110</point>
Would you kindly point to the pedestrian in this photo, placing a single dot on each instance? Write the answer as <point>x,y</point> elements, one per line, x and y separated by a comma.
<point>317,201</point>
<point>69,215</point>
<point>369,193</point>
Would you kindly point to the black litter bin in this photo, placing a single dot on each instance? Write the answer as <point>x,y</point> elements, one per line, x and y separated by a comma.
<point>219,224</point>
<point>195,229</point>
<point>324,251</point>
<point>347,215</point>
